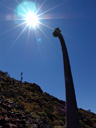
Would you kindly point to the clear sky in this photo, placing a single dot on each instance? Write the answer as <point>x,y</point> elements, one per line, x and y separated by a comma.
<point>36,53</point>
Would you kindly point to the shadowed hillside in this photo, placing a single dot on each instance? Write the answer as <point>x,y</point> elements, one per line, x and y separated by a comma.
<point>25,105</point>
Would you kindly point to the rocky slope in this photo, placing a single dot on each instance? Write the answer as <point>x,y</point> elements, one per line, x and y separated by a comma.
<point>25,105</point>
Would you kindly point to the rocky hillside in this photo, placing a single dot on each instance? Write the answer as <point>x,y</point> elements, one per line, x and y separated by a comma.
<point>25,105</point>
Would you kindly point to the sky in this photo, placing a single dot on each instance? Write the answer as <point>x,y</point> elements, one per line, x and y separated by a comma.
<point>35,52</point>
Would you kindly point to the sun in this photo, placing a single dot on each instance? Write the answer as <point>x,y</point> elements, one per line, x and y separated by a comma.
<point>31,15</point>
<point>31,19</point>
<point>27,12</point>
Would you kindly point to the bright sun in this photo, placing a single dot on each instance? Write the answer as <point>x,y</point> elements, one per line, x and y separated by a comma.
<point>29,16</point>
<point>27,12</point>
<point>31,19</point>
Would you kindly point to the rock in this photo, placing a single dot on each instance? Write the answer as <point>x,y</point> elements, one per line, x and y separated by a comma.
<point>34,126</point>
<point>0,78</point>
<point>9,107</point>
<point>7,119</point>
<point>3,111</point>
<point>9,125</point>
<point>27,124</point>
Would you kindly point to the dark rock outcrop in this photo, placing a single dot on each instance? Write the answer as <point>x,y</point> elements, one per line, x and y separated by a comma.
<point>27,106</point>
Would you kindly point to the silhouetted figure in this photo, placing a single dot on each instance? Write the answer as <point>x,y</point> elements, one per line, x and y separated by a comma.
<point>71,105</point>
<point>21,76</point>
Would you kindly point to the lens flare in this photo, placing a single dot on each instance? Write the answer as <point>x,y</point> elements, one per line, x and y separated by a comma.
<point>27,11</point>
<point>29,15</point>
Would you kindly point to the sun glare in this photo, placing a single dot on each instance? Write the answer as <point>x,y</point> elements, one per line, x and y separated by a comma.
<point>31,19</point>
<point>29,16</point>
<point>27,12</point>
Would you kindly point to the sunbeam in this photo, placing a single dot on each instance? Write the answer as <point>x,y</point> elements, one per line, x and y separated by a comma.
<point>46,25</point>
<point>12,28</point>
<point>18,37</point>
<point>28,36</point>
<point>9,8</point>
<point>21,6</point>
<point>40,7</point>
<point>50,9</point>
<point>43,33</point>
<point>29,15</point>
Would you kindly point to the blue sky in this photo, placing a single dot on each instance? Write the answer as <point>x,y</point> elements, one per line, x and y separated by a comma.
<point>41,60</point>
